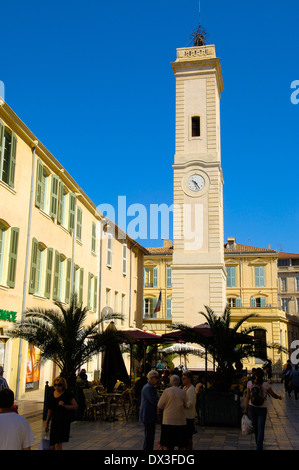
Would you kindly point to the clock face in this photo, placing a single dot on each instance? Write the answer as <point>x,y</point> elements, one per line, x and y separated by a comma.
<point>196,182</point>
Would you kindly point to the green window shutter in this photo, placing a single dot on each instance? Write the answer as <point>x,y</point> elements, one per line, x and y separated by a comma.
<point>79,224</point>
<point>68,280</point>
<point>56,276</point>
<point>12,162</point>
<point>259,276</point>
<point>143,308</point>
<point>155,277</point>
<point>39,181</point>
<point>89,306</point>
<point>252,302</point>
<point>33,269</point>
<point>49,272</point>
<point>12,260</point>
<point>95,294</point>
<point>60,204</point>
<point>169,277</point>
<point>54,196</point>
<point>2,128</point>
<point>81,286</point>
<point>169,308</point>
<point>263,301</point>
<point>93,237</point>
<point>239,302</point>
<point>72,208</point>
<point>231,276</point>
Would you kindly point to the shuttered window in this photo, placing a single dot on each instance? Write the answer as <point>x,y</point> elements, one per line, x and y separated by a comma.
<point>93,237</point>
<point>72,214</point>
<point>68,280</point>
<point>12,258</point>
<point>169,277</point>
<point>169,308</point>
<point>48,278</point>
<point>231,279</point>
<point>56,276</point>
<point>124,262</point>
<point>259,272</point>
<point>54,197</point>
<point>79,224</point>
<point>81,286</point>
<point>109,250</point>
<point>8,151</point>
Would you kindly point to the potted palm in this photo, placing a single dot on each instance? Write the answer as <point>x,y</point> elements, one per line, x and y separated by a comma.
<point>228,348</point>
<point>64,337</point>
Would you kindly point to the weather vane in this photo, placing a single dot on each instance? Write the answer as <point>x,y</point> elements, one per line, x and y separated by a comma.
<point>199,35</point>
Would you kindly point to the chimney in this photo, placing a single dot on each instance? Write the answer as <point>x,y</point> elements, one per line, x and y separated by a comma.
<point>231,243</point>
<point>167,243</point>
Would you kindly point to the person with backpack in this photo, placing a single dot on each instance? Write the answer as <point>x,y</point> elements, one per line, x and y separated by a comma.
<point>256,406</point>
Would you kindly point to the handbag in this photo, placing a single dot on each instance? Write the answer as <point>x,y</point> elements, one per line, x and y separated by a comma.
<point>246,426</point>
<point>44,443</point>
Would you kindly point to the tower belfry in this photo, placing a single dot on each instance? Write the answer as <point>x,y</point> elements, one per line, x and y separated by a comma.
<point>199,276</point>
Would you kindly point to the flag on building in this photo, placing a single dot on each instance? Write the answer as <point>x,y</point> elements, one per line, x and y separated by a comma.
<point>158,306</point>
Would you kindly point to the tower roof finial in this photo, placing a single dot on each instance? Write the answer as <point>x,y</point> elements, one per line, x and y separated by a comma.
<point>199,35</point>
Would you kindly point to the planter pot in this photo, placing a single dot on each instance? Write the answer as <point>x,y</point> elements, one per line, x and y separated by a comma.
<point>220,409</point>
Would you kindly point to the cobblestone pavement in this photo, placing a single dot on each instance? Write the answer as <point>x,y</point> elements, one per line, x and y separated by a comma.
<point>281,433</point>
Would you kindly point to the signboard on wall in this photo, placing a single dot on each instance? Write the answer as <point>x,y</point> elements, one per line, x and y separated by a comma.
<point>33,368</point>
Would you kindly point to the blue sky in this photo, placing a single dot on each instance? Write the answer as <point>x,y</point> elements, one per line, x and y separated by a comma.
<point>93,81</point>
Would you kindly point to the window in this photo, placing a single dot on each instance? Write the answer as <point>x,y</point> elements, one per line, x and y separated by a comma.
<point>79,224</point>
<point>169,277</point>
<point>148,308</point>
<point>285,305</point>
<point>284,262</point>
<point>150,278</point>
<point>93,237</point>
<point>297,283</point>
<point>8,148</point>
<point>115,302</point>
<point>259,272</point>
<point>108,297</point>
<point>283,284</point>
<point>231,276</point>
<point>36,270</point>
<point>2,251</point>
<point>123,307</point>
<point>258,302</point>
<point>234,302</point>
<point>124,262</point>
<point>42,187</point>
<point>109,250</point>
<point>59,286</point>
<point>62,205</point>
<point>92,292</point>
<point>195,124</point>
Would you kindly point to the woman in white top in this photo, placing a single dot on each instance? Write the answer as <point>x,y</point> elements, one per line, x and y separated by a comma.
<point>256,404</point>
<point>173,402</point>
<point>190,412</point>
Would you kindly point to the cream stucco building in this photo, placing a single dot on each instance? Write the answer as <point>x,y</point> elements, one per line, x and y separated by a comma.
<point>54,242</point>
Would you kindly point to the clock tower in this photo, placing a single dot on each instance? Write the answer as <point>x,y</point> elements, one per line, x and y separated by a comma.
<point>198,271</point>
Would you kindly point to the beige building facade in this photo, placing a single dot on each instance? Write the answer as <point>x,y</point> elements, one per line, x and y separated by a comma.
<point>53,243</point>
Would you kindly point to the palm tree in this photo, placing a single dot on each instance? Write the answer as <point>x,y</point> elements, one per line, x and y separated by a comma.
<point>63,336</point>
<point>225,344</point>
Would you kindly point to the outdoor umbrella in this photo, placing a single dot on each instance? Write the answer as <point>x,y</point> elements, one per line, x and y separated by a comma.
<point>182,350</point>
<point>113,366</point>
<point>135,335</point>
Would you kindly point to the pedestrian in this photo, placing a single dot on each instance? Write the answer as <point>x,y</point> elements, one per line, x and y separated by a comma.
<point>294,379</point>
<point>16,432</point>
<point>256,407</point>
<point>173,402</point>
<point>3,382</point>
<point>190,412</point>
<point>61,403</point>
<point>148,409</point>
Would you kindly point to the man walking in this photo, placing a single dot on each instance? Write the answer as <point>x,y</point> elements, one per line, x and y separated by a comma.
<point>148,409</point>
